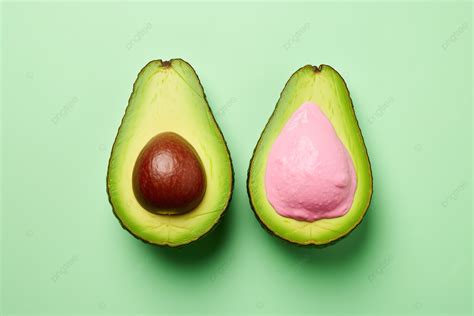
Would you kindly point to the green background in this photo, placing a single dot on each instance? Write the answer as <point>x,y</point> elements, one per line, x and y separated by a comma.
<point>67,73</point>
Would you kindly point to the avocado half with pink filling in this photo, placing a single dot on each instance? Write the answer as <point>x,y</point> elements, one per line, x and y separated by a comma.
<point>310,180</point>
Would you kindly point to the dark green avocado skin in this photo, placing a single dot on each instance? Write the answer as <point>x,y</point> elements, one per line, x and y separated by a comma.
<point>231,164</point>
<point>316,68</point>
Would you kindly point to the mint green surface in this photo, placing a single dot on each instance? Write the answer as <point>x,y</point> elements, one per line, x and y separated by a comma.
<point>67,72</point>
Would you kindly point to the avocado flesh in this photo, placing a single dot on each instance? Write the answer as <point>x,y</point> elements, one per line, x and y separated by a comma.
<point>325,87</point>
<point>168,97</point>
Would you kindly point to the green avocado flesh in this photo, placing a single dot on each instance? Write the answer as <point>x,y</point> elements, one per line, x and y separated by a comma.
<point>168,97</point>
<point>325,87</point>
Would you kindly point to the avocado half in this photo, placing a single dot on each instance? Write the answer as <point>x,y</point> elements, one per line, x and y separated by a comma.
<point>168,98</point>
<point>323,86</point>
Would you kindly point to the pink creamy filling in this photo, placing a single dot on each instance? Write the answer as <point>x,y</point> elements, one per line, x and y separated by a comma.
<point>310,174</point>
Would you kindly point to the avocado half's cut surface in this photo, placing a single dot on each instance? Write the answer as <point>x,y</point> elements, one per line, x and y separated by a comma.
<point>324,87</point>
<point>169,101</point>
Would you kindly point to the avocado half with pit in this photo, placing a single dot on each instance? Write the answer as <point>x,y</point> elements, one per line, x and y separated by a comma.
<point>309,180</point>
<point>170,174</point>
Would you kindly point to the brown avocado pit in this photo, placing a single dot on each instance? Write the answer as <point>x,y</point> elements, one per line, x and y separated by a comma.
<point>168,177</point>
